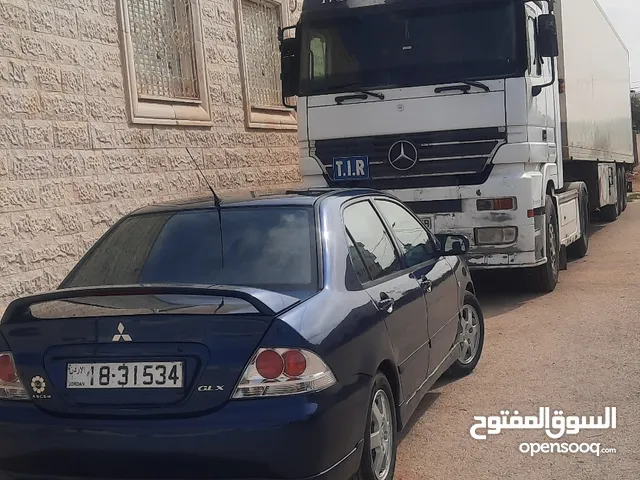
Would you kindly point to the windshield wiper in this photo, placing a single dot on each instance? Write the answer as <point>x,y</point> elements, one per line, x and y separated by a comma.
<point>464,87</point>
<point>362,95</point>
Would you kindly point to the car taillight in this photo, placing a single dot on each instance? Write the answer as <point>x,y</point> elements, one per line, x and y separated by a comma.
<point>283,371</point>
<point>10,385</point>
<point>269,364</point>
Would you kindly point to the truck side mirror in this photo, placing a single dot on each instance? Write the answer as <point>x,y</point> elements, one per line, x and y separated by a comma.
<point>547,36</point>
<point>289,67</point>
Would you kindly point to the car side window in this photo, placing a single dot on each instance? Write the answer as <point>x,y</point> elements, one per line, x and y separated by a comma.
<point>370,244</point>
<point>358,261</point>
<point>417,246</point>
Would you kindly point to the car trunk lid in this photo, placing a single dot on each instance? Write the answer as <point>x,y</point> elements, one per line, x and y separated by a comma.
<point>137,350</point>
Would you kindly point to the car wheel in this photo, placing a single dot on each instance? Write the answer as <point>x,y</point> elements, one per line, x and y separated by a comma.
<point>379,452</point>
<point>470,336</point>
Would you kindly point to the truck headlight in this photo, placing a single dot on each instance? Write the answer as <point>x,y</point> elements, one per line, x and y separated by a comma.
<point>496,235</point>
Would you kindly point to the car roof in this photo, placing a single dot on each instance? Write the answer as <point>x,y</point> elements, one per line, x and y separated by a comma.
<point>303,197</point>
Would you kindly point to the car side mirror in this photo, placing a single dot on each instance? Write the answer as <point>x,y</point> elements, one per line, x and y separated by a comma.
<point>289,66</point>
<point>547,36</point>
<point>452,245</point>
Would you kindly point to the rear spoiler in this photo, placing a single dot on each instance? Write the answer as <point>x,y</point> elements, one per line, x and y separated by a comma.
<point>265,302</point>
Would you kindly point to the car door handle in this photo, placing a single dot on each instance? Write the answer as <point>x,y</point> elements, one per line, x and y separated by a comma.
<point>426,284</point>
<point>385,303</point>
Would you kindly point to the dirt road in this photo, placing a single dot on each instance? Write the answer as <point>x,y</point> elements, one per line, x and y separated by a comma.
<point>577,349</point>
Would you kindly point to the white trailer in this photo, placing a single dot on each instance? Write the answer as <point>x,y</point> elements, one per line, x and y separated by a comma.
<point>476,113</point>
<point>595,108</point>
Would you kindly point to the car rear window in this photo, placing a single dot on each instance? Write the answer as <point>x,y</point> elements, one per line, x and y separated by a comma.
<point>271,248</point>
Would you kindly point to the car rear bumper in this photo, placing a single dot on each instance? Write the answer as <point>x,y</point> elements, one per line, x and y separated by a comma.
<point>302,437</point>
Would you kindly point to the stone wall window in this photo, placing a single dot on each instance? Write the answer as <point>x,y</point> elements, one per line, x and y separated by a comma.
<point>258,23</point>
<point>164,62</point>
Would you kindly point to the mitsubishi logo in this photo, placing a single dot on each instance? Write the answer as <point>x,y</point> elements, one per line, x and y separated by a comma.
<point>121,335</point>
<point>403,155</point>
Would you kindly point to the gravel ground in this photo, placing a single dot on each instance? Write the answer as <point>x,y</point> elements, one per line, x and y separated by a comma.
<point>576,349</point>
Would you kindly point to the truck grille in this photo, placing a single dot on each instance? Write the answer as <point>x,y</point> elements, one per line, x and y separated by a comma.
<point>444,158</point>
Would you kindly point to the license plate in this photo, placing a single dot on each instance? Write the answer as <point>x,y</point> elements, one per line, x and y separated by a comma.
<point>351,168</point>
<point>428,221</point>
<point>125,375</point>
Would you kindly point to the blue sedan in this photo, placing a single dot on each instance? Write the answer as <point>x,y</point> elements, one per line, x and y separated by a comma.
<point>279,337</point>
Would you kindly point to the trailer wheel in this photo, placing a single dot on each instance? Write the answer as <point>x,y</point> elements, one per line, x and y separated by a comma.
<point>623,189</point>
<point>610,213</point>
<point>578,249</point>
<point>545,277</point>
<point>621,195</point>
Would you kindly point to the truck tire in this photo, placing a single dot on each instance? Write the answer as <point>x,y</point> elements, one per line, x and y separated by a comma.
<point>620,190</point>
<point>545,277</point>
<point>579,248</point>
<point>623,189</point>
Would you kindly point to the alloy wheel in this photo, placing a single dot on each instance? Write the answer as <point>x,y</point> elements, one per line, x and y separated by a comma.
<point>469,335</point>
<point>381,435</point>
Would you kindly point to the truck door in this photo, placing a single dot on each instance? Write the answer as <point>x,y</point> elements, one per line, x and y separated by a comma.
<point>541,120</point>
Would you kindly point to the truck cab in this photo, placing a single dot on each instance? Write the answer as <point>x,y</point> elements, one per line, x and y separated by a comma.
<point>454,106</point>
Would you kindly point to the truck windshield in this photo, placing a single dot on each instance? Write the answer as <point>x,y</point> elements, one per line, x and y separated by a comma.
<point>376,47</point>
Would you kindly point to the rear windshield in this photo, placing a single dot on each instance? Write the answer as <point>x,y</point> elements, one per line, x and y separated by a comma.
<point>270,248</point>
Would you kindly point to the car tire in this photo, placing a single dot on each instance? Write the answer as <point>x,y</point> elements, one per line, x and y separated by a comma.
<point>579,248</point>
<point>545,277</point>
<point>380,393</point>
<point>470,330</point>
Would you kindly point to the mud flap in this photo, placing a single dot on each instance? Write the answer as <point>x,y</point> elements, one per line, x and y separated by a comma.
<point>563,258</point>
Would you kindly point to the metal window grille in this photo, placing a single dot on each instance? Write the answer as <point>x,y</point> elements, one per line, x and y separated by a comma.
<point>260,23</point>
<point>163,48</point>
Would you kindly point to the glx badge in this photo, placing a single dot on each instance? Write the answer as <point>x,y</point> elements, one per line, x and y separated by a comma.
<point>211,388</point>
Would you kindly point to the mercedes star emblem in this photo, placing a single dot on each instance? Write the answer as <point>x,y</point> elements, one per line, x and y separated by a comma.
<point>403,155</point>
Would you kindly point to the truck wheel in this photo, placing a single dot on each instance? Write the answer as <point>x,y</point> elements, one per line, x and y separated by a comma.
<point>621,194</point>
<point>623,190</point>
<point>620,200</point>
<point>545,277</point>
<point>578,249</point>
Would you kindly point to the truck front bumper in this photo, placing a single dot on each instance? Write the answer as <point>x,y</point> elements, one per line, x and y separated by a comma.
<point>528,249</point>
<point>486,261</point>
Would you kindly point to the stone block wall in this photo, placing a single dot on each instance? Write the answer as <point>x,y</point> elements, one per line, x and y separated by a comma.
<point>70,162</point>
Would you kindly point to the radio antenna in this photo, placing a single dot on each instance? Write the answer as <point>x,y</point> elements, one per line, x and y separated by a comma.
<point>216,200</point>
<point>218,204</point>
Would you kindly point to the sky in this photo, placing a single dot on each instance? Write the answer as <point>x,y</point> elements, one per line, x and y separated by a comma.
<point>625,16</point>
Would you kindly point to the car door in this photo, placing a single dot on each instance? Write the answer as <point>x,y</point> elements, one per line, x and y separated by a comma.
<point>432,271</point>
<point>392,288</point>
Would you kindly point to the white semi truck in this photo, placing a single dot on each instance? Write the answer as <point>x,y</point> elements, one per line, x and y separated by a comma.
<point>508,121</point>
